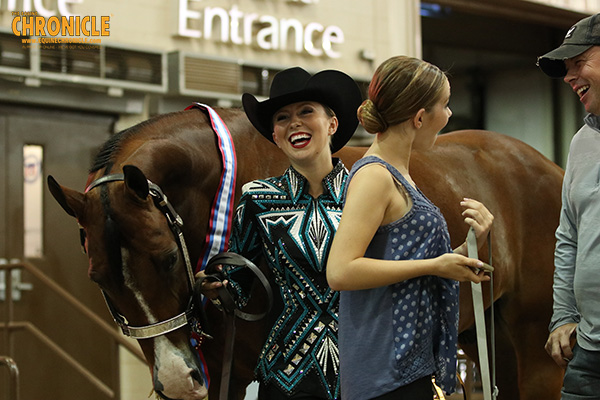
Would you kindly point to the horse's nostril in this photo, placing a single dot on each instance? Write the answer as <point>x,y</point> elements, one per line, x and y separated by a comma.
<point>197,376</point>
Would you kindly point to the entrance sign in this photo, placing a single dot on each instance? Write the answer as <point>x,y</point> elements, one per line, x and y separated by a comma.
<point>265,31</point>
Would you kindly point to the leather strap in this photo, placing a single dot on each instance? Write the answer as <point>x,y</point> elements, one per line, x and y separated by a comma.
<point>226,297</point>
<point>229,308</point>
<point>479,309</point>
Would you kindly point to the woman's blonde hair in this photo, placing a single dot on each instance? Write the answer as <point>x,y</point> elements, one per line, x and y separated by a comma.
<point>400,87</point>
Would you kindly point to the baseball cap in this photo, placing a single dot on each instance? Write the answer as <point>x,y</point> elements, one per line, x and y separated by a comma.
<point>579,38</point>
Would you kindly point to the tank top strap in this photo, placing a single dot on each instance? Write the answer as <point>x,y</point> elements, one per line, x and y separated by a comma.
<point>415,194</point>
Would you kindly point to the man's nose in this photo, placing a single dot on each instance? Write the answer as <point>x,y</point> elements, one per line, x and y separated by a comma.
<point>569,76</point>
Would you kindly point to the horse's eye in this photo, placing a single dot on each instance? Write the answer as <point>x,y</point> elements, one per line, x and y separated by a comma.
<point>172,259</point>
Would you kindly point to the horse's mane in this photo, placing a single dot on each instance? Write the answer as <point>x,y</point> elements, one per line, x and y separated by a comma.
<point>104,157</point>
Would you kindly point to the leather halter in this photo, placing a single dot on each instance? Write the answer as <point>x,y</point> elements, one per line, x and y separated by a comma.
<point>194,314</point>
<point>188,317</point>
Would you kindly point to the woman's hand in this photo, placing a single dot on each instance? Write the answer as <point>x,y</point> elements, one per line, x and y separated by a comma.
<point>460,268</point>
<point>479,217</point>
<point>209,289</point>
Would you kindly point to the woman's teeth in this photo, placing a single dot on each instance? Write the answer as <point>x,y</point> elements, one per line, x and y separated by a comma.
<point>299,138</point>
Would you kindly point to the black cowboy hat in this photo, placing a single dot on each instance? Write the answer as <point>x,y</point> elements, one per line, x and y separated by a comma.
<point>333,88</point>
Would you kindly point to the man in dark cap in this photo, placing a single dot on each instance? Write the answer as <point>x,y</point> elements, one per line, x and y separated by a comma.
<point>574,341</point>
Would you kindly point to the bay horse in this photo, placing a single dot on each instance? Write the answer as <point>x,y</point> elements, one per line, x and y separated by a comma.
<point>134,257</point>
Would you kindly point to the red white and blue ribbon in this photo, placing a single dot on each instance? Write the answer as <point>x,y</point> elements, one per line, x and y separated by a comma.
<point>221,212</point>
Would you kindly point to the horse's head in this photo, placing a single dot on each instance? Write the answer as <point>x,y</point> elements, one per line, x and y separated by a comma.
<point>140,263</point>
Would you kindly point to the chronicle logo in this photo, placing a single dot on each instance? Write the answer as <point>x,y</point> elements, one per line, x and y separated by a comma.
<point>53,29</point>
<point>29,23</point>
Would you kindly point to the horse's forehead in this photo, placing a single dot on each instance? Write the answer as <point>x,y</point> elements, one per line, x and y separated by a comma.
<point>106,201</point>
<point>111,213</point>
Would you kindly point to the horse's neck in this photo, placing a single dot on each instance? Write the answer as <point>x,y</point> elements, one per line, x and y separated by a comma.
<point>186,163</point>
<point>257,158</point>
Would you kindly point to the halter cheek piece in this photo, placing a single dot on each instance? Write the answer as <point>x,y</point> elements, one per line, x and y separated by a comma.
<point>194,314</point>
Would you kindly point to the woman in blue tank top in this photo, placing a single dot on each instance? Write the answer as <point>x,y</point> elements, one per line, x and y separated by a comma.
<point>391,258</point>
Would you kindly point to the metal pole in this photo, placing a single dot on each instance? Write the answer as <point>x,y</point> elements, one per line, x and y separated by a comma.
<point>13,387</point>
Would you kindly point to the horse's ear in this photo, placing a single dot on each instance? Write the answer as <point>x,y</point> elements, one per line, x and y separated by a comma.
<point>136,181</point>
<point>70,200</point>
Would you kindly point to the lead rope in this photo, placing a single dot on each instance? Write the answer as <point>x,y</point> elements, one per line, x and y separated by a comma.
<point>479,311</point>
<point>228,305</point>
<point>493,319</point>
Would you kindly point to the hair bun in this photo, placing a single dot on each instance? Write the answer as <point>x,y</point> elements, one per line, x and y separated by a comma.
<point>369,117</point>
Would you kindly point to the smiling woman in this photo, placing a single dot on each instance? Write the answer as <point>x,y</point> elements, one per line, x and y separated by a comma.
<point>299,125</point>
<point>289,221</point>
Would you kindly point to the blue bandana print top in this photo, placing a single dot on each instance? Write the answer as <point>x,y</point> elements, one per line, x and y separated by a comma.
<point>393,335</point>
<point>278,221</point>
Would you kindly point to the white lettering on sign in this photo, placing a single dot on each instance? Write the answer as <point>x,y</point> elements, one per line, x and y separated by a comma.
<point>268,32</point>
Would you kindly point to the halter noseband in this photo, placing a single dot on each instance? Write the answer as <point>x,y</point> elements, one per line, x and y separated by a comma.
<point>175,224</point>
